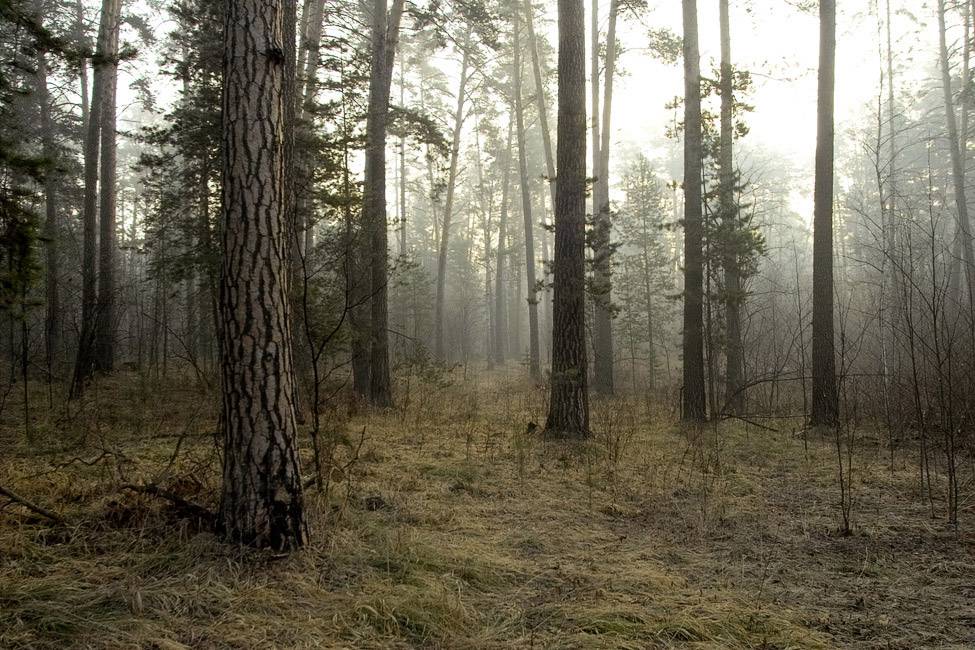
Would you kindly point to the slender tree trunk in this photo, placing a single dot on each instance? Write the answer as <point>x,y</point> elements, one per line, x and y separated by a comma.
<point>602,233</point>
<point>501,313</point>
<point>540,98</point>
<point>385,36</point>
<point>964,236</point>
<point>402,164</point>
<point>825,398</point>
<point>106,319</point>
<point>82,42</point>
<point>694,409</point>
<point>262,500</point>
<point>526,210</point>
<point>439,334</point>
<point>568,415</point>
<point>52,226</point>
<point>734,357</point>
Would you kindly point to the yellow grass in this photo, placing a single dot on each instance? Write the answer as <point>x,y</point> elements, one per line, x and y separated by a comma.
<point>451,526</point>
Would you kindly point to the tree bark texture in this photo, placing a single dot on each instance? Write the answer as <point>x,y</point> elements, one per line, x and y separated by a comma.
<point>262,500</point>
<point>825,397</point>
<point>693,394</point>
<point>568,415</point>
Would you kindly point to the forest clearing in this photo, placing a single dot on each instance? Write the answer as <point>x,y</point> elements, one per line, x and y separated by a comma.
<point>447,524</point>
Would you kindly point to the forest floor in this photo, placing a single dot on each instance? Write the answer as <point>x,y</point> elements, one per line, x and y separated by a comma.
<point>448,523</point>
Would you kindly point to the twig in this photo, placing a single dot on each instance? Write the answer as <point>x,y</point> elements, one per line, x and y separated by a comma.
<point>50,514</point>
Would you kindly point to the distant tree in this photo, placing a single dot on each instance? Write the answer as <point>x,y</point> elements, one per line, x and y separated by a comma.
<point>694,391</point>
<point>734,356</point>
<point>568,415</point>
<point>526,209</point>
<point>262,500</point>
<point>602,246</point>
<point>825,397</point>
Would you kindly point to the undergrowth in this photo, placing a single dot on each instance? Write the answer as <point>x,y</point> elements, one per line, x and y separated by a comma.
<point>447,524</point>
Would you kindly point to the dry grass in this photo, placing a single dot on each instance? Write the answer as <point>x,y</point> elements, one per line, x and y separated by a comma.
<point>453,526</point>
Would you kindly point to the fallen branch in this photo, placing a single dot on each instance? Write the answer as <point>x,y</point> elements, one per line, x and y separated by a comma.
<point>30,505</point>
<point>194,509</point>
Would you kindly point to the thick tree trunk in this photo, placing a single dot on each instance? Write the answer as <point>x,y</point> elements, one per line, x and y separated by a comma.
<point>534,367</point>
<point>105,54</point>
<point>439,333</point>
<point>825,398</point>
<point>693,407</point>
<point>734,359</point>
<point>568,415</point>
<point>602,244</point>
<point>262,500</point>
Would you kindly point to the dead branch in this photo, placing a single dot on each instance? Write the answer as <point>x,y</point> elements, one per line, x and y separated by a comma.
<point>194,509</point>
<point>30,505</point>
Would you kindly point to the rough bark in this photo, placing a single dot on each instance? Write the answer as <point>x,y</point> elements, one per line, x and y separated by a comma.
<point>734,359</point>
<point>262,501</point>
<point>526,211</point>
<point>568,415</point>
<point>825,398</point>
<point>693,402</point>
<point>439,333</point>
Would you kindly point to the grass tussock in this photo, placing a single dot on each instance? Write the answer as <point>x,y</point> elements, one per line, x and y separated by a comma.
<point>446,524</point>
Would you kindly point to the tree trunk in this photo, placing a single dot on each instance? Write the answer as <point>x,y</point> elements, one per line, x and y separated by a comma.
<point>540,97</point>
<point>52,226</point>
<point>602,245</point>
<point>439,343</point>
<point>106,316</point>
<point>105,53</point>
<point>262,501</point>
<point>825,398</point>
<point>526,210</point>
<point>694,409</point>
<point>568,415</point>
<point>500,313</point>
<point>734,359</point>
<point>964,235</point>
<point>385,35</point>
